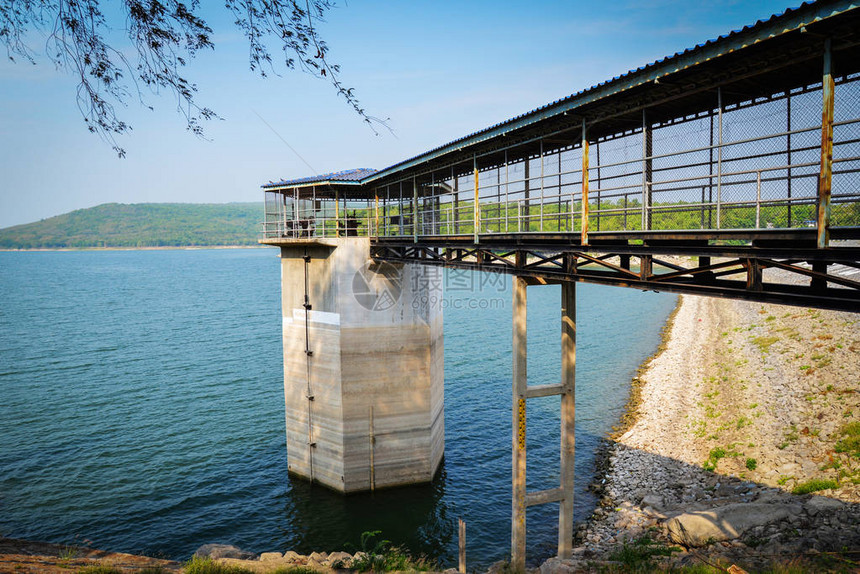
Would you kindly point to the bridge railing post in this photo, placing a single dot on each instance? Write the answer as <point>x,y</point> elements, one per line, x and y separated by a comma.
<point>719,154</point>
<point>584,226</point>
<point>758,200</point>
<point>826,170</point>
<point>477,211</point>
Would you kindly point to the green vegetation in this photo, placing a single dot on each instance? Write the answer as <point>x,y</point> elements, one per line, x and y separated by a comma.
<point>637,555</point>
<point>713,458</point>
<point>764,343</point>
<point>814,485</point>
<point>851,443</point>
<point>751,464</point>
<point>199,565</point>
<point>115,570</point>
<point>379,555</point>
<point>141,225</point>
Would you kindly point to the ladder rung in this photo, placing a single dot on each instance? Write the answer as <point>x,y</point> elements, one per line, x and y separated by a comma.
<point>544,496</point>
<point>544,390</point>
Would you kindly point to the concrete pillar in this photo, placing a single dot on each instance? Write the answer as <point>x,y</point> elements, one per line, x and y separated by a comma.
<point>363,366</point>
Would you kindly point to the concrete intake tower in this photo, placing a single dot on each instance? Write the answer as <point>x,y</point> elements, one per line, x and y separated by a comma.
<point>363,364</point>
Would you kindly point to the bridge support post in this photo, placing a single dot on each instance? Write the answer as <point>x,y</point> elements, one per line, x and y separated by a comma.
<point>518,463</point>
<point>568,416</point>
<point>563,493</point>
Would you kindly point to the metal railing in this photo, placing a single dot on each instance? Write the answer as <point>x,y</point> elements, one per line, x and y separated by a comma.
<point>752,165</point>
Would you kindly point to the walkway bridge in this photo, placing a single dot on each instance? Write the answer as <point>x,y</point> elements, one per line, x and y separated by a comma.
<point>731,169</point>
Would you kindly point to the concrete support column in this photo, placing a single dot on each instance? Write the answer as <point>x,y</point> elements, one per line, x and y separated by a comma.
<point>363,366</point>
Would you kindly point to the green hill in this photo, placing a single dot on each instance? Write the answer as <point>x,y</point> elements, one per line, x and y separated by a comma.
<point>141,225</point>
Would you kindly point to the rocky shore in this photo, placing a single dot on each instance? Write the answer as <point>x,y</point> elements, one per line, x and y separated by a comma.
<point>742,448</point>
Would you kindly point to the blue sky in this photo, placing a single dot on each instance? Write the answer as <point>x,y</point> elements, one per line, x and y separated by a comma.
<point>438,70</point>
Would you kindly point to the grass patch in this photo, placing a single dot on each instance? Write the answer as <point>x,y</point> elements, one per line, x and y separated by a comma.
<point>851,443</point>
<point>637,555</point>
<point>380,556</point>
<point>791,436</point>
<point>115,570</point>
<point>199,565</point>
<point>764,343</point>
<point>713,458</point>
<point>814,485</point>
<point>751,464</point>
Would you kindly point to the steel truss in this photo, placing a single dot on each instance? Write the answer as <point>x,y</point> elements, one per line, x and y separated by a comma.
<point>698,263</point>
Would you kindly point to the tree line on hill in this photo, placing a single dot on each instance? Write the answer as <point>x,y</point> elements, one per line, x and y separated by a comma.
<point>141,225</point>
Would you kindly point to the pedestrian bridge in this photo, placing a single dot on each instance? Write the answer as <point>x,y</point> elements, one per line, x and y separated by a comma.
<point>741,155</point>
<point>731,169</point>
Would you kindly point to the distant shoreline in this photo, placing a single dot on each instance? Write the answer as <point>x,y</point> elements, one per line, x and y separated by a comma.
<point>152,248</point>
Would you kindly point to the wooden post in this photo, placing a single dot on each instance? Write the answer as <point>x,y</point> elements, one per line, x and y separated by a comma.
<point>376,223</point>
<point>372,448</point>
<point>584,230</point>
<point>719,156</point>
<point>414,210</point>
<point>647,171</point>
<point>462,542</point>
<point>526,191</point>
<point>336,214</point>
<point>826,169</point>
<point>568,416</point>
<point>518,516</point>
<point>456,181</point>
<point>477,214</point>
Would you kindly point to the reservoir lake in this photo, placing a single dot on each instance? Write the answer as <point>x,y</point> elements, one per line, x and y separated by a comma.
<point>142,408</point>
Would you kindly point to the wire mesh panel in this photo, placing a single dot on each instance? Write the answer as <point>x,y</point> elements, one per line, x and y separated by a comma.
<point>845,210</point>
<point>615,183</point>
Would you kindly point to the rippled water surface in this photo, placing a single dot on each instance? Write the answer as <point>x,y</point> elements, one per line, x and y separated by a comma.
<point>142,409</point>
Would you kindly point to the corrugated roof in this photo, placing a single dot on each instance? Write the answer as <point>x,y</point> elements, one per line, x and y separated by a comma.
<point>345,176</point>
<point>561,101</point>
<point>704,51</point>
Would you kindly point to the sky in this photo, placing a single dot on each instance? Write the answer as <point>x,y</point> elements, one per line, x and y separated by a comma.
<point>436,70</point>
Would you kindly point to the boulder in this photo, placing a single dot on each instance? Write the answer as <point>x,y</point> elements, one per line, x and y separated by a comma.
<point>216,551</point>
<point>652,500</point>
<point>726,522</point>
<point>270,556</point>
<point>344,558</point>
<point>294,557</point>
<point>818,504</point>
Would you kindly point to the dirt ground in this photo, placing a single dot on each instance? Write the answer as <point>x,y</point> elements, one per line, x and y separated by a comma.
<point>24,557</point>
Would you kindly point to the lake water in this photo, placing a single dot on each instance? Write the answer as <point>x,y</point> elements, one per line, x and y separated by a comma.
<point>142,408</point>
